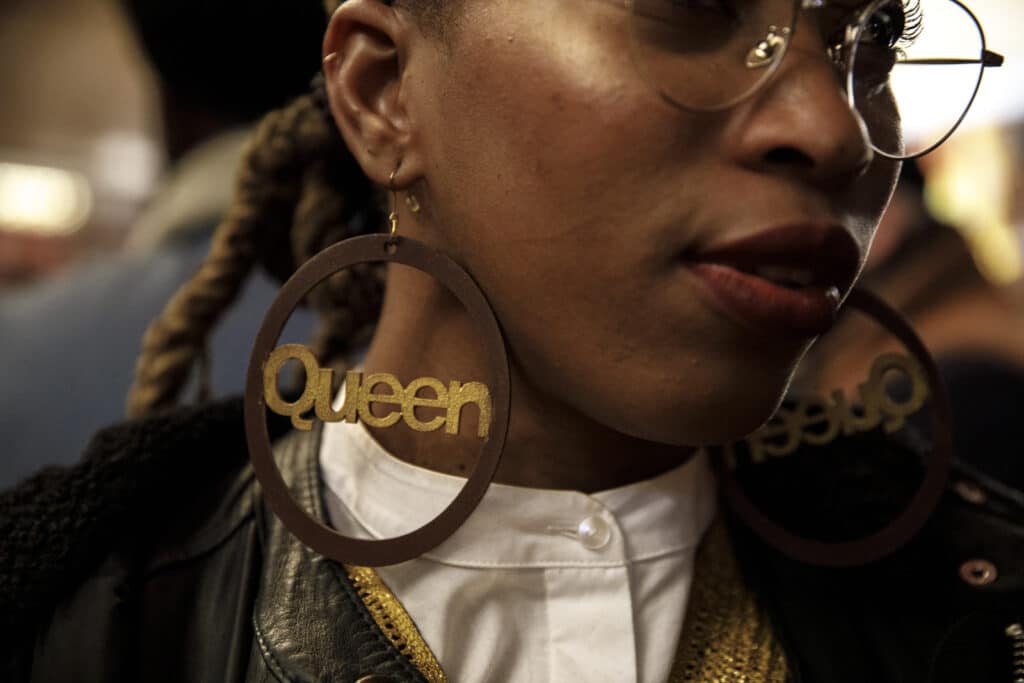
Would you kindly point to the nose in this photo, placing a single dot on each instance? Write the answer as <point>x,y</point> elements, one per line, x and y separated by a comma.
<point>801,124</point>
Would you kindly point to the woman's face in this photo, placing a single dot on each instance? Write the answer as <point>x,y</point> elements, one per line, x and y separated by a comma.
<point>633,251</point>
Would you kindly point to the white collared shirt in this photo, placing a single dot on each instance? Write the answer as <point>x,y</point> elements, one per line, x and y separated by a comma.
<point>538,585</point>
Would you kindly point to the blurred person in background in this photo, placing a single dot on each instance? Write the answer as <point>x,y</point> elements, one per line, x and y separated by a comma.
<point>68,344</point>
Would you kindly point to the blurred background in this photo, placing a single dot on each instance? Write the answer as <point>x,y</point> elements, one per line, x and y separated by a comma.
<point>121,126</point>
<point>119,132</point>
<point>80,148</point>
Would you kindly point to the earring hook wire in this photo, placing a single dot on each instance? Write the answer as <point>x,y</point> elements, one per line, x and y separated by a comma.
<point>393,215</point>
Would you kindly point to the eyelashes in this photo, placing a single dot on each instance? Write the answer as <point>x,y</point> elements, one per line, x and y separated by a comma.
<point>913,23</point>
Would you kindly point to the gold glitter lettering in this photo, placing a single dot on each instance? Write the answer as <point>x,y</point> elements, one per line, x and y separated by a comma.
<point>361,394</point>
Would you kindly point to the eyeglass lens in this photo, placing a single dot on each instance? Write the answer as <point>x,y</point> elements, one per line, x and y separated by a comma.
<point>709,54</point>
<point>912,69</point>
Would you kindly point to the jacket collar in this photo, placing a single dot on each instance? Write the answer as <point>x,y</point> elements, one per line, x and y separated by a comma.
<point>311,624</point>
<point>58,525</point>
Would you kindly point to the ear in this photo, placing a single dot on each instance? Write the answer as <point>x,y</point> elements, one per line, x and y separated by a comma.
<point>364,55</point>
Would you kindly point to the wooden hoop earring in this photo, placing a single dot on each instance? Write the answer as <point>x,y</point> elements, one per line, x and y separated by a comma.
<point>921,506</point>
<point>322,539</point>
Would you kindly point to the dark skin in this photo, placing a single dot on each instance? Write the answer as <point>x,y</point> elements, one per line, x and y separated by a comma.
<point>573,193</point>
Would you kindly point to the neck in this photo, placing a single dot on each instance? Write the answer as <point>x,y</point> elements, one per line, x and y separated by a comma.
<point>424,332</point>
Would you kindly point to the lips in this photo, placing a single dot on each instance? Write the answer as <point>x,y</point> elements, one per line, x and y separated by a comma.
<point>784,281</point>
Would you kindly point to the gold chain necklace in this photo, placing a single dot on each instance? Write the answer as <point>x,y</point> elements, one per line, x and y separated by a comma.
<point>726,635</point>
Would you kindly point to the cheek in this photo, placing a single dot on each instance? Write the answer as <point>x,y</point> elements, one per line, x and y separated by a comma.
<point>551,147</point>
<point>548,134</point>
<point>531,128</point>
<point>869,199</point>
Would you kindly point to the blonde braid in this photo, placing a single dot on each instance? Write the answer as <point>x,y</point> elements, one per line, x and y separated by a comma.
<point>292,147</point>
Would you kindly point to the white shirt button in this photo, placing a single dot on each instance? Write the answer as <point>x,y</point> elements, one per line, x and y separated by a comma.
<point>594,533</point>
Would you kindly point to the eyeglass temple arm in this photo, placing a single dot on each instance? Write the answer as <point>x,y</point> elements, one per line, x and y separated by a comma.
<point>988,58</point>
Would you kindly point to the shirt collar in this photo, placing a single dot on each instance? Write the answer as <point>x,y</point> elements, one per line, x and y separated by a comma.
<point>518,526</point>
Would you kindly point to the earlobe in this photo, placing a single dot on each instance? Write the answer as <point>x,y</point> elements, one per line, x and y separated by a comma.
<point>363,50</point>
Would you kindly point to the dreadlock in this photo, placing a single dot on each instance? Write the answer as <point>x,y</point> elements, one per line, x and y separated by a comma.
<point>298,191</point>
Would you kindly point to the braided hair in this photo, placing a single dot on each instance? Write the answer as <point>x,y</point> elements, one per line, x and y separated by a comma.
<point>298,191</point>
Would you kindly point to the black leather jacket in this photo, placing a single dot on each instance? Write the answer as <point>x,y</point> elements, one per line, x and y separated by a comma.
<point>155,559</point>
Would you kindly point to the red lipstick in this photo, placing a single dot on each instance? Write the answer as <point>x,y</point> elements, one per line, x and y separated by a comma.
<point>804,312</point>
<point>785,281</point>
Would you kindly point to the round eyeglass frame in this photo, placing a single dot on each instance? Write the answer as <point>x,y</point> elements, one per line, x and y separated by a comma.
<point>643,68</point>
<point>985,59</point>
<point>842,56</point>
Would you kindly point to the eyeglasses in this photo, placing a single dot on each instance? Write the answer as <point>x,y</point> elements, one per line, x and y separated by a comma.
<point>907,65</point>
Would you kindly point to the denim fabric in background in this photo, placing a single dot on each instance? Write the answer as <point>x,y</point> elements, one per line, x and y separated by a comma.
<point>69,348</point>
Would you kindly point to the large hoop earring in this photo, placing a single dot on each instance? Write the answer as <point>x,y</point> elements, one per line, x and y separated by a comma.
<point>324,540</point>
<point>909,522</point>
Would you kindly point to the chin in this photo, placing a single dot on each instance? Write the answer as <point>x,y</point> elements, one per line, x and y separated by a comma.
<point>710,417</point>
<point>737,419</point>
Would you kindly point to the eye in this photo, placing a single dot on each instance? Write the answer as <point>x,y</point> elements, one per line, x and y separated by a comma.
<point>884,28</point>
<point>895,25</point>
<point>887,33</point>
